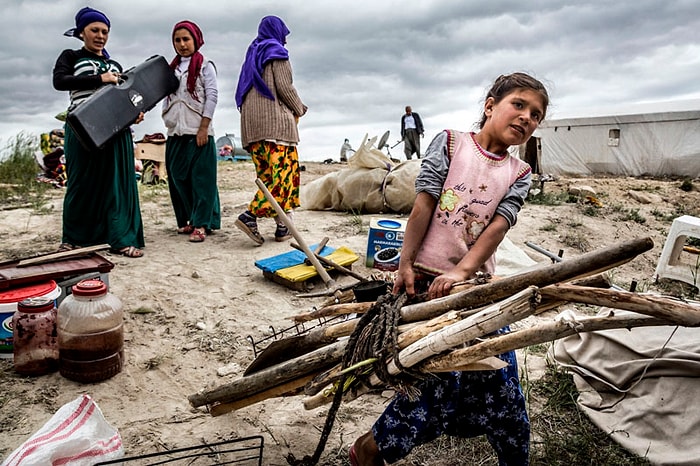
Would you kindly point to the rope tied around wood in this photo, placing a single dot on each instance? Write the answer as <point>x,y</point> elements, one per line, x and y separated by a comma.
<point>375,338</point>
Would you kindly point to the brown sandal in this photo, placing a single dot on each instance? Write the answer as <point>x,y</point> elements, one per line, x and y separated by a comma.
<point>186,230</point>
<point>198,235</point>
<point>128,251</point>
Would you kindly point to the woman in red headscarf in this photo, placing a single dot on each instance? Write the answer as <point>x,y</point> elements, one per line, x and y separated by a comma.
<point>190,151</point>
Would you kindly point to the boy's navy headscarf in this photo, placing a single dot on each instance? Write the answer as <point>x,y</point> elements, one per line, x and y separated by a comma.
<point>269,45</point>
<point>84,17</point>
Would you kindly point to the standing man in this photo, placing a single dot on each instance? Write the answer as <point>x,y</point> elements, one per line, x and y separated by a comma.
<point>344,149</point>
<point>411,128</point>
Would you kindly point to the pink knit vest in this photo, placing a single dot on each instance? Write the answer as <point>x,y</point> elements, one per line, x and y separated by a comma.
<point>475,184</point>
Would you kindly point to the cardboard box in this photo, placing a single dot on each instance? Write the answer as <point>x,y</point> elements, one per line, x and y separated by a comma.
<point>384,243</point>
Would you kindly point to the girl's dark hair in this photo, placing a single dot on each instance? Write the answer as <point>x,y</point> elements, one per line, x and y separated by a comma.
<point>507,83</point>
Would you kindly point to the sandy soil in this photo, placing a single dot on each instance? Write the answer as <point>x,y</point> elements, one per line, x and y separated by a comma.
<point>189,309</point>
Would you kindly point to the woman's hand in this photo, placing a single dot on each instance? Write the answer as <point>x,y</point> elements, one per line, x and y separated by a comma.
<point>110,77</point>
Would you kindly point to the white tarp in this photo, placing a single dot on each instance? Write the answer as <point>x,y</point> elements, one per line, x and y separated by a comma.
<point>653,144</point>
<point>642,386</point>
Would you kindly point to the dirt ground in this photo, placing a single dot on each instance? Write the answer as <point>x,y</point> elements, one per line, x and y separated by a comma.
<point>190,308</point>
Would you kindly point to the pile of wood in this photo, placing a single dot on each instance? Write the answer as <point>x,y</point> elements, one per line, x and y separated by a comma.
<point>432,335</point>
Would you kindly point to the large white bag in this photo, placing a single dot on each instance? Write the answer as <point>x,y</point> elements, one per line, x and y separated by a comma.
<point>77,435</point>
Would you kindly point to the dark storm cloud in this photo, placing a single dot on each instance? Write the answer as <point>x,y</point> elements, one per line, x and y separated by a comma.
<point>357,64</point>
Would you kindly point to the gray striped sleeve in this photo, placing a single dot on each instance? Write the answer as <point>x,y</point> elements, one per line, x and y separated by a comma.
<point>433,173</point>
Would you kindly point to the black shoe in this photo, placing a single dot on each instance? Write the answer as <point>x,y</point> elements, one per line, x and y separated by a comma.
<point>249,225</point>
<point>282,233</point>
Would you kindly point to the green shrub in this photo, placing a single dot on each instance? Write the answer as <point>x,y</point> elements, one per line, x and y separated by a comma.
<point>18,171</point>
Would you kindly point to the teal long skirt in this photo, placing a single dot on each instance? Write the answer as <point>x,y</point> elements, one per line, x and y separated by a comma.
<point>192,182</point>
<point>101,203</point>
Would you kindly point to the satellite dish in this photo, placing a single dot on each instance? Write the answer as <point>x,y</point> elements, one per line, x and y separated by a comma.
<point>383,140</point>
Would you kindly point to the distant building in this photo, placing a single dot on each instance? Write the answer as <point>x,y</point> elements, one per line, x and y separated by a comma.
<point>654,143</point>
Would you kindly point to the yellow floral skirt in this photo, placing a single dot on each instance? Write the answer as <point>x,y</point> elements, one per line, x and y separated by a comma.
<point>277,166</point>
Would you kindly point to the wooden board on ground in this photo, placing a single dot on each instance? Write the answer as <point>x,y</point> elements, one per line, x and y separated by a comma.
<point>289,270</point>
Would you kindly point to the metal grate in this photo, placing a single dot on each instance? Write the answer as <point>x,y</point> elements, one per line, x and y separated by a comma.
<point>294,330</point>
<point>245,451</point>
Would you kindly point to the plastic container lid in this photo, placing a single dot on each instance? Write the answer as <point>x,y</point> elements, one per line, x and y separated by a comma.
<point>389,224</point>
<point>16,295</point>
<point>90,287</point>
<point>37,304</point>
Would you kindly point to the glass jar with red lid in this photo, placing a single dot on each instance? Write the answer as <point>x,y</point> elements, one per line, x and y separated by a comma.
<point>90,333</point>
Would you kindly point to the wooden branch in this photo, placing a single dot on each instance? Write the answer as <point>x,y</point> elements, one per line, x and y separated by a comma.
<point>286,389</point>
<point>472,357</point>
<point>587,264</point>
<point>322,396</point>
<point>542,333</point>
<point>323,358</point>
<point>487,321</point>
<point>271,376</point>
<point>421,329</point>
<point>329,282</point>
<point>672,310</point>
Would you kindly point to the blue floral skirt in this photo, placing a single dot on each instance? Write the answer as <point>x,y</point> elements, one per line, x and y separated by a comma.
<point>463,404</point>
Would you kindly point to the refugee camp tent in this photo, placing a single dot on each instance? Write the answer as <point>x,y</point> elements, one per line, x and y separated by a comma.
<point>664,141</point>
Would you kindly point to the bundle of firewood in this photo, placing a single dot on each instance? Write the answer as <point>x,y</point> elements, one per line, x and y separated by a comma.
<point>455,332</point>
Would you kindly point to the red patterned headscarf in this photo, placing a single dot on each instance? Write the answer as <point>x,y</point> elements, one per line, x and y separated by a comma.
<point>196,59</point>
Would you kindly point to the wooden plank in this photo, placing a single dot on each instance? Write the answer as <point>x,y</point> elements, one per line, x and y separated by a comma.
<point>288,259</point>
<point>62,255</point>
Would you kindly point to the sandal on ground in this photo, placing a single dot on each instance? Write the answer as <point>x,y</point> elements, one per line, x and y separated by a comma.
<point>198,235</point>
<point>186,230</point>
<point>128,251</point>
<point>63,247</point>
<point>248,224</point>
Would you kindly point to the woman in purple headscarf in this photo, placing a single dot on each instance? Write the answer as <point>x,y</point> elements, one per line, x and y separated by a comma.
<point>270,109</point>
<point>101,203</point>
<point>190,152</point>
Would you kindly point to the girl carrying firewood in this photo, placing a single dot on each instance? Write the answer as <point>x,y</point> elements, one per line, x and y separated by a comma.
<point>469,193</point>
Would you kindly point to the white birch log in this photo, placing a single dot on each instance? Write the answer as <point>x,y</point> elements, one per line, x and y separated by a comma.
<point>667,308</point>
<point>482,323</point>
<point>538,334</point>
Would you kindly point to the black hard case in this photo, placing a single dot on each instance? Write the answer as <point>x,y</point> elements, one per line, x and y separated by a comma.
<point>113,108</point>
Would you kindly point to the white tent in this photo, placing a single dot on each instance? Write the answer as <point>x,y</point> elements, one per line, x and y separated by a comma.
<point>656,143</point>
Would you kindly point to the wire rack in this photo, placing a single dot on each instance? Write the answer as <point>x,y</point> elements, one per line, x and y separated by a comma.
<point>242,451</point>
<point>294,330</point>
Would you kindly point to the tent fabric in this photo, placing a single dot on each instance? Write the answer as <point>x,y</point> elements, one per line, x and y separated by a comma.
<point>653,144</point>
<point>372,183</point>
<point>640,385</point>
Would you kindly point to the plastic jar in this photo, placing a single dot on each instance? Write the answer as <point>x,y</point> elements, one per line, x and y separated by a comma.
<point>90,333</point>
<point>8,306</point>
<point>35,342</point>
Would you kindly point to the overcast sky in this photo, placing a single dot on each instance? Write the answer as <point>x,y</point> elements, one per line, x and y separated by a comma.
<point>358,63</point>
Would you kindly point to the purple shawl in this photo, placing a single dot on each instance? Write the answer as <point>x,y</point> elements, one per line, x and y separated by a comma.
<point>269,45</point>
